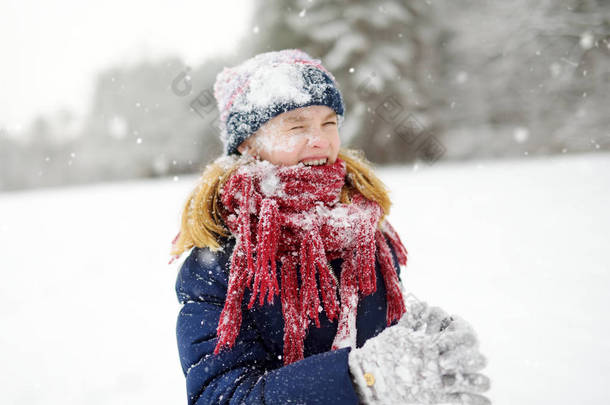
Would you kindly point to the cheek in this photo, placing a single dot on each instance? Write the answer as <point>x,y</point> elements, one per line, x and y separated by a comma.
<point>281,148</point>
<point>335,140</point>
<point>290,147</point>
<point>276,144</point>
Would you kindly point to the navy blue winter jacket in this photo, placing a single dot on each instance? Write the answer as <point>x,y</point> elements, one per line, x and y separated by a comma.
<point>252,371</point>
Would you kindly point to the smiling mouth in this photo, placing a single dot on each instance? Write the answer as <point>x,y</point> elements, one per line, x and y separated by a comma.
<point>314,162</point>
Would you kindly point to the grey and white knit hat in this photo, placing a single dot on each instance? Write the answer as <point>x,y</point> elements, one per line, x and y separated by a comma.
<point>266,85</point>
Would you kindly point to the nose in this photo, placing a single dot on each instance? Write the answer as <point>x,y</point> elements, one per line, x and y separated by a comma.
<point>317,140</point>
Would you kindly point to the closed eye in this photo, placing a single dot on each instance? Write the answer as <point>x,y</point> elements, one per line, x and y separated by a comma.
<point>326,123</point>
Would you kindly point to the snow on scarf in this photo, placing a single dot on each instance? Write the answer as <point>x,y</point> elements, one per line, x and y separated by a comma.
<point>293,214</point>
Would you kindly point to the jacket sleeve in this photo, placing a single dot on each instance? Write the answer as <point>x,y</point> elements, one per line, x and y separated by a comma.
<point>245,373</point>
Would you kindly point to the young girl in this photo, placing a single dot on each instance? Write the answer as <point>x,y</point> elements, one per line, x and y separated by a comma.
<point>291,292</point>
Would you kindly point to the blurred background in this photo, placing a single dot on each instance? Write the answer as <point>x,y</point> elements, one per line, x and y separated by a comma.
<point>488,120</point>
<point>117,93</point>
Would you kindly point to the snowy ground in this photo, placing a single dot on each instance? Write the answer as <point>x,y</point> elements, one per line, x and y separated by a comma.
<point>518,248</point>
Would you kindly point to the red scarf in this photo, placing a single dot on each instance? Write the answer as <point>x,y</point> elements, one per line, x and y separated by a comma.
<point>293,214</point>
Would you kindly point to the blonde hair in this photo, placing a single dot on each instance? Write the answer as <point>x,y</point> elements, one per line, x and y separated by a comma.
<point>202,224</point>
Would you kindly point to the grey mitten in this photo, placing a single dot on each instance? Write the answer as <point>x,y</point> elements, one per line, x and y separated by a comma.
<point>428,358</point>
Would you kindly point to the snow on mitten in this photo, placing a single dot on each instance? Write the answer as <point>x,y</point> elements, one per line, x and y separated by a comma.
<point>420,315</point>
<point>450,331</point>
<point>406,366</point>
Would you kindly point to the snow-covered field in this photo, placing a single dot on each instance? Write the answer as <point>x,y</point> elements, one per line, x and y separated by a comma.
<point>518,248</point>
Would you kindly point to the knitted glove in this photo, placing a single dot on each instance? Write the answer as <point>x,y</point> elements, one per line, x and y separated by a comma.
<point>420,315</point>
<point>426,358</point>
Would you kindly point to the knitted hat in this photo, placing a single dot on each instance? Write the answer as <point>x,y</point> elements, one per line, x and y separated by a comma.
<point>266,85</point>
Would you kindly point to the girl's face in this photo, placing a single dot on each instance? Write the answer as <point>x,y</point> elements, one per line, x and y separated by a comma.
<point>306,135</point>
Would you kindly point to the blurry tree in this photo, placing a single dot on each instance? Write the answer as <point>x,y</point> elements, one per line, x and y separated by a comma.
<point>135,125</point>
<point>524,78</point>
<point>11,162</point>
<point>153,119</point>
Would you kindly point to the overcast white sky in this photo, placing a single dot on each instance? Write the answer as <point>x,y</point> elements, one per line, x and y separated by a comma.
<point>50,50</point>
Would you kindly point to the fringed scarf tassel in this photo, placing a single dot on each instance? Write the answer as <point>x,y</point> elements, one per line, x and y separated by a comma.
<point>399,248</point>
<point>313,256</point>
<point>294,332</point>
<point>346,329</point>
<point>242,271</point>
<point>396,306</point>
<point>267,235</point>
<point>365,259</point>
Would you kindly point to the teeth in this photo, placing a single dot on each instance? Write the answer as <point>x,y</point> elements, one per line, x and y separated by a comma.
<point>315,162</point>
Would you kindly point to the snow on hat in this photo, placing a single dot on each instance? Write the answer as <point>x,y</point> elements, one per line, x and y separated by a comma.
<point>266,85</point>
